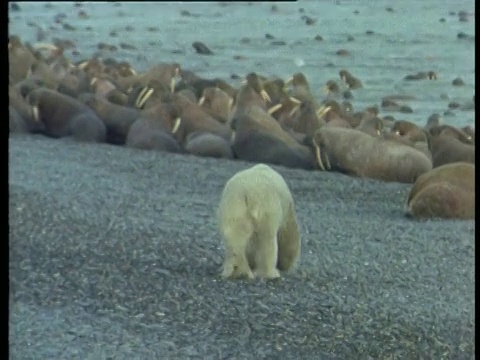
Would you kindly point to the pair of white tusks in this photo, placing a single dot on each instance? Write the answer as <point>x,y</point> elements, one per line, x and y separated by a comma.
<point>143,96</point>
<point>265,96</point>
<point>319,158</point>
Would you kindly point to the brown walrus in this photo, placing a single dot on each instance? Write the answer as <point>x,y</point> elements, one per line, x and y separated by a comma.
<point>422,75</point>
<point>410,134</point>
<point>251,93</point>
<point>144,135</point>
<point>20,59</point>
<point>167,74</point>
<point>21,114</point>
<point>201,143</point>
<point>255,118</point>
<point>356,153</point>
<point>260,146</point>
<point>117,119</point>
<point>15,121</point>
<point>194,118</point>
<point>449,144</point>
<point>306,119</point>
<point>64,116</point>
<point>351,81</point>
<point>447,191</point>
<point>371,125</point>
<point>155,129</point>
<point>301,88</point>
<point>217,103</point>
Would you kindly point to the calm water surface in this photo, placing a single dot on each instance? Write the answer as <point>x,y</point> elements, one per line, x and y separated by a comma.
<point>410,39</point>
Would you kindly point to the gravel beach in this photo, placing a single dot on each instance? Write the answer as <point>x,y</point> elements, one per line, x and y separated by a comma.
<point>114,253</point>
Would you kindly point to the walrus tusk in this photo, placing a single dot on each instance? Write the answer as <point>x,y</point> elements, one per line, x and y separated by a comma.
<point>172,85</point>
<point>397,132</point>
<point>232,138</point>
<point>327,161</point>
<point>146,97</point>
<point>326,90</point>
<point>294,100</point>
<point>40,46</point>
<point>288,81</point>
<point>176,125</point>
<point>93,81</point>
<point>265,96</point>
<point>294,110</point>
<point>318,155</point>
<point>36,114</point>
<point>83,65</point>
<point>143,97</point>
<point>322,111</point>
<point>344,78</point>
<point>378,132</point>
<point>201,101</point>
<point>230,104</point>
<point>274,108</point>
<point>140,95</point>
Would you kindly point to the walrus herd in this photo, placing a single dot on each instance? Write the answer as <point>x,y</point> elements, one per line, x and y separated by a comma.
<point>265,120</point>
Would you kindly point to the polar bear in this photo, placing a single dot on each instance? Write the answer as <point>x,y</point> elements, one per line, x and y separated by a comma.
<point>258,223</point>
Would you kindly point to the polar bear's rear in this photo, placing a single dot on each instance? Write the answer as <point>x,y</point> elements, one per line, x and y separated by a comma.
<point>257,221</point>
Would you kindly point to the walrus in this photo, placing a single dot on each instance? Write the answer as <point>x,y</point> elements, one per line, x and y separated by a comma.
<point>258,224</point>
<point>276,90</point>
<point>410,134</point>
<point>371,125</point>
<point>194,118</point>
<point>447,191</point>
<point>306,119</point>
<point>26,85</point>
<point>144,96</point>
<point>392,105</point>
<point>216,103</point>
<point>422,75</point>
<point>201,143</point>
<point>356,153</point>
<point>15,121</point>
<point>20,59</point>
<point>250,94</point>
<point>449,144</point>
<point>152,134</point>
<point>167,74</point>
<point>117,119</point>
<point>301,88</point>
<point>260,146</point>
<point>64,116</point>
<point>21,114</point>
<point>335,115</point>
<point>351,81</point>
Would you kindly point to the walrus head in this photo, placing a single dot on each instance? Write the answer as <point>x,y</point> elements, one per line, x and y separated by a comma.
<point>447,130</point>
<point>255,83</point>
<point>331,87</point>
